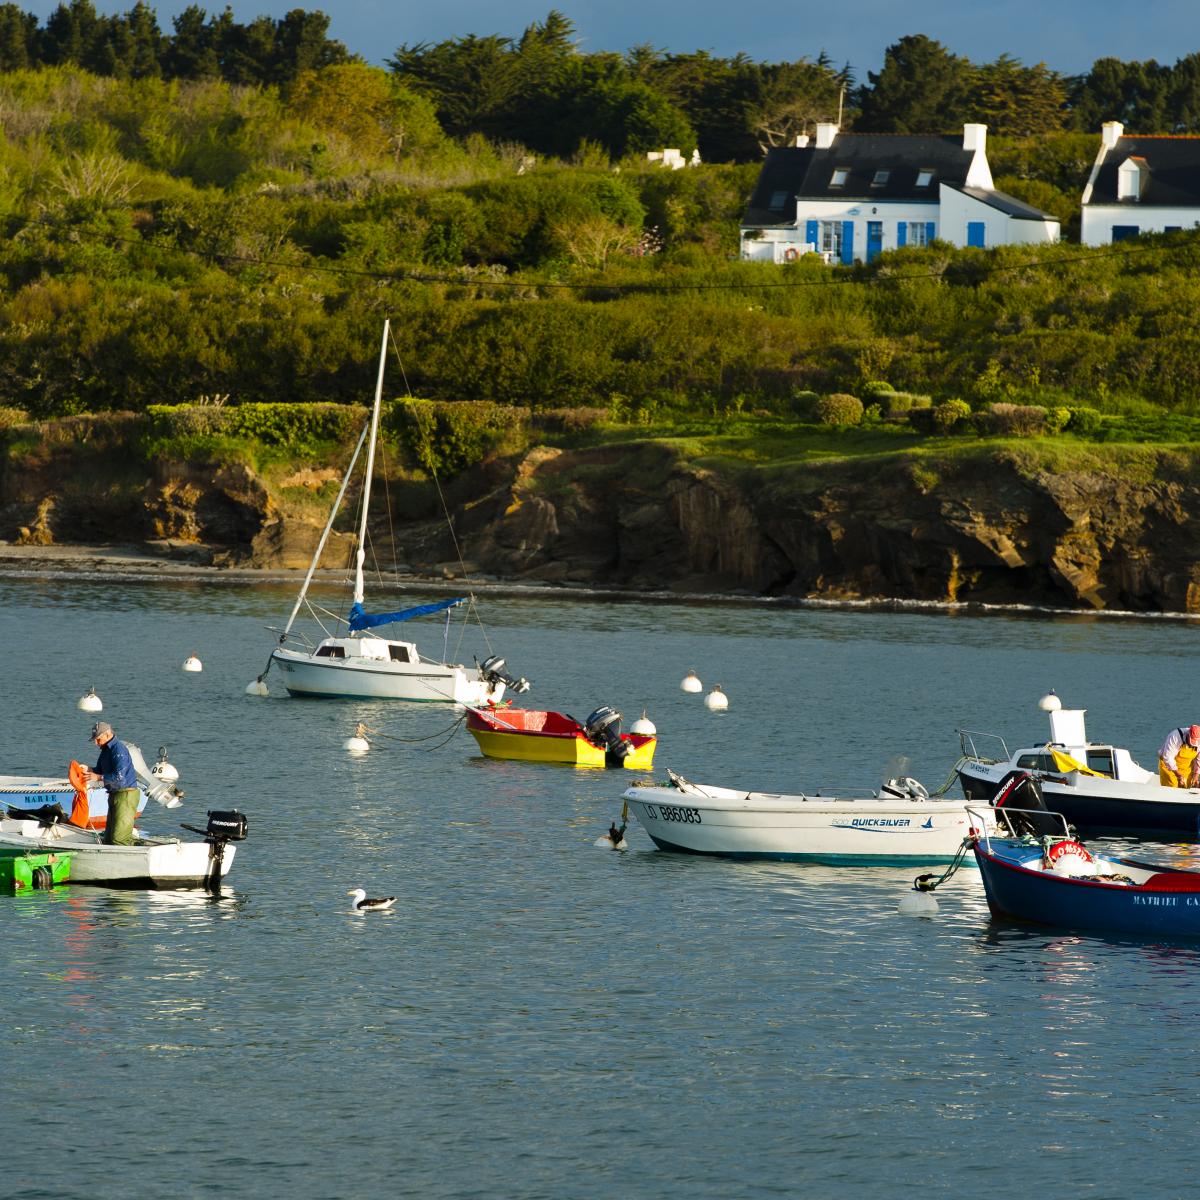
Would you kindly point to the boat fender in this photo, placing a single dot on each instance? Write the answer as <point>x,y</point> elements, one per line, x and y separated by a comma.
<point>1069,857</point>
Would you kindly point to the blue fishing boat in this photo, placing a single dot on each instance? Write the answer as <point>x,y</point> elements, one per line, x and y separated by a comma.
<point>1041,872</point>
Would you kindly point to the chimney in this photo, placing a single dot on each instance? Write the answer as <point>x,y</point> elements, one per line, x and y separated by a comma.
<point>974,137</point>
<point>801,140</point>
<point>826,132</point>
<point>1111,132</point>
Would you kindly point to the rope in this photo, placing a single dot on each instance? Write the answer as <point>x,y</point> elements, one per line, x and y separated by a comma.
<point>950,778</point>
<point>449,732</point>
<point>922,882</point>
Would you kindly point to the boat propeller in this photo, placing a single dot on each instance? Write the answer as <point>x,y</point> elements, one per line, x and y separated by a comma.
<point>493,672</point>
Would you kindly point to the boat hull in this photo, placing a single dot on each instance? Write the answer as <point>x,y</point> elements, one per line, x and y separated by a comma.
<point>1101,807</point>
<point>1028,894</point>
<point>534,736</point>
<point>418,683</point>
<point>153,863</point>
<point>838,832</point>
<point>26,793</point>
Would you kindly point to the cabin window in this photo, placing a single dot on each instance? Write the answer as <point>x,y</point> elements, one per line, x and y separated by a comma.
<point>330,652</point>
<point>881,177</point>
<point>840,175</point>
<point>924,177</point>
<point>399,654</point>
<point>1037,762</point>
<point>1102,761</point>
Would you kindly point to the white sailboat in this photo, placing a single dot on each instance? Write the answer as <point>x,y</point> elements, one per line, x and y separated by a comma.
<point>358,663</point>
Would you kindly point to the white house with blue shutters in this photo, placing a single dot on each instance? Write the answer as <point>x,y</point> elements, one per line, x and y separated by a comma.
<point>850,196</point>
<point>1140,185</point>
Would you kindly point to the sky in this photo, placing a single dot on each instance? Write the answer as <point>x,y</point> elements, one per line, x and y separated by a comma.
<point>1068,35</point>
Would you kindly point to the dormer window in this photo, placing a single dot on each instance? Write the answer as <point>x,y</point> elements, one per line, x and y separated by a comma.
<point>881,177</point>
<point>840,175</point>
<point>1132,176</point>
<point>924,177</point>
<point>778,201</point>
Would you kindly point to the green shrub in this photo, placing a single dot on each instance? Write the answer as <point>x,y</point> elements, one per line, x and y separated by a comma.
<point>904,402</point>
<point>296,426</point>
<point>1012,420</point>
<point>1084,421</point>
<point>877,387</point>
<point>840,408</point>
<point>804,405</point>
<point>448,436</point>
<point>1057,418</point>
<point>945,416</point>
<point>570,420</point>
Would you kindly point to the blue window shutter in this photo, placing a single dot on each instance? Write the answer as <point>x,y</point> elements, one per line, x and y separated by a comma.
<point>847,241</point>
<point>929,234</point>
<point>901,233</point>
<point>812,234</point>
<point>976,233</point>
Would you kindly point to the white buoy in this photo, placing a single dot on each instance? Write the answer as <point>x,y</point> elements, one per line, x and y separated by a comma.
<point>163,769</point>
<point>192,663</point>
<point>257,688</point>
<point>644,726</point>
<point>716,700</point>
<point>614,839</point>
<point>357,744</point>
<point>91,702</point>
<point>1050,702</point>
<point>918,904</point>
<point>691,683</point>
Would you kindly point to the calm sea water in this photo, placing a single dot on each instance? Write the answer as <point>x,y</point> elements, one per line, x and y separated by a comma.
<point>541,1018</point>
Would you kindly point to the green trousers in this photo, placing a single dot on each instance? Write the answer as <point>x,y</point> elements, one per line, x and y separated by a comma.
<point>122,808</point>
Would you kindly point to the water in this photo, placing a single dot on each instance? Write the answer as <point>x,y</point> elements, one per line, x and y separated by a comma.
<point>541,1018</point>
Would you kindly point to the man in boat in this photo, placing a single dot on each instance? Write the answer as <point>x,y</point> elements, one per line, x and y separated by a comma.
<point>1177,765</point>
<point>114,768</point>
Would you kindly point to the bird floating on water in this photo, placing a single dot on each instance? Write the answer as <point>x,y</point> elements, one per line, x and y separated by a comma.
<point>192,663</point>
<point>716,700</point>
<point>691,683</point>
<point>91,702</point>
<point>363,904</point>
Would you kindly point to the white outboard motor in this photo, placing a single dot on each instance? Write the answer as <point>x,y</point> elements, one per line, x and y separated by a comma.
<point>603,728</point>
<point>493,672</point>
<point>162,791</point>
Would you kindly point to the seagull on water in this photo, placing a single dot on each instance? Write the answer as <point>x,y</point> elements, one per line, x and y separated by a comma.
<point>362,904</point>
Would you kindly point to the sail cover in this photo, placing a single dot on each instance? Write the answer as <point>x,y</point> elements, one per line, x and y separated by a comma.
<point>365,620</point>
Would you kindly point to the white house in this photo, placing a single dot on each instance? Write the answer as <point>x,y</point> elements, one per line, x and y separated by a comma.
<point>1140,185</point>
<point>850,196</point>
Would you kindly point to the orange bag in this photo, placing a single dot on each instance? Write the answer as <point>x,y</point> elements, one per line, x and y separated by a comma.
<point>78,780</point>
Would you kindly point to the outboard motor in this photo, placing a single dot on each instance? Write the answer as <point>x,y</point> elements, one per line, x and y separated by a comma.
<point>493,672</point>
<point>1019,789</point>
<point>603,728</point>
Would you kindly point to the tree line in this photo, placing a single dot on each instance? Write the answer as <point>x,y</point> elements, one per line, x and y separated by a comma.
<point>539,91</point>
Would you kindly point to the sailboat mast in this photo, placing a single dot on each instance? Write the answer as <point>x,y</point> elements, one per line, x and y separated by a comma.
<point>361,556</point>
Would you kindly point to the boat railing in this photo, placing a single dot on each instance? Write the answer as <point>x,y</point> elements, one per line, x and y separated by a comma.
<point>998,814</point>
<point>966,740</point>
<point>292,636</point>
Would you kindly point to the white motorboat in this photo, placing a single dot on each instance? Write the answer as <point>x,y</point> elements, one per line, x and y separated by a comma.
<point>151,862</point>
<point>899,825</point>
<point>360,664</point>
<point>1098,787</point>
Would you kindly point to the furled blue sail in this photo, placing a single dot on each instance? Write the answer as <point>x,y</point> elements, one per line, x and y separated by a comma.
<point>359,619</point>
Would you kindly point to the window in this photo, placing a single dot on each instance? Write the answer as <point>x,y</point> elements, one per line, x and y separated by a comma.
<point>778,200</point>
<point>881,177</point>
<point>918,233</point>
<point>840,175</point>
<point>924,177</point>
<point>831,239</point>
<point>399,654</point>
<point>1102,761</point>
<point>1122,233</point>
<point>330,652</point>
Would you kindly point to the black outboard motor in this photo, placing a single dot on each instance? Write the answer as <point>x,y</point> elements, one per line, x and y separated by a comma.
<point>493,672</point>
<point>1019,789</point>
<point>603,728</point>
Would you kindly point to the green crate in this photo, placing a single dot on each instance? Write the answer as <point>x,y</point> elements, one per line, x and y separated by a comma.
<point>21,871</point>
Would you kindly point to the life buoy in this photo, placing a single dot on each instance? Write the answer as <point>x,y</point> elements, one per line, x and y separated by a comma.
<point>1069,857</point>
<point>791,254</point>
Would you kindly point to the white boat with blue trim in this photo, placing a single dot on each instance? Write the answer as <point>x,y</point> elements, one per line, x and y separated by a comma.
<point>899,825</point>
<point>359,663</point>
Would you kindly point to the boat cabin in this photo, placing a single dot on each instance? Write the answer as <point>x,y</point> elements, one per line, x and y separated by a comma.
<point>1068,737</point>
<point>372,649</point>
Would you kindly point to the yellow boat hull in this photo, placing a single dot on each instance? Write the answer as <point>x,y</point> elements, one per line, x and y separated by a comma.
<point>576,751</point>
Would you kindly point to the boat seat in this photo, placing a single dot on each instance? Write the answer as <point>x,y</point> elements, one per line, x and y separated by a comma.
<point>1173,881</point>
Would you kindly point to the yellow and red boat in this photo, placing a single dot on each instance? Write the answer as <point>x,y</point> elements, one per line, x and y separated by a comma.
<point>533,735</point>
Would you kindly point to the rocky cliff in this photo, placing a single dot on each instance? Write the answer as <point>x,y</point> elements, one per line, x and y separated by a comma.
<point>996,526</point>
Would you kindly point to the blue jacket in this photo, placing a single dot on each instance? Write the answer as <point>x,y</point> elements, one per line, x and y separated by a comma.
<point>116,767</point>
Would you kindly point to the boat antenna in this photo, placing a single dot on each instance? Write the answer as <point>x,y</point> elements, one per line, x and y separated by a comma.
<point>361,554</point>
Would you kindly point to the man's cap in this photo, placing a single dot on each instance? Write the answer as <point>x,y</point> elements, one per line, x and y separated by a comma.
<point>1194,734</point>
<point>102,727</point>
